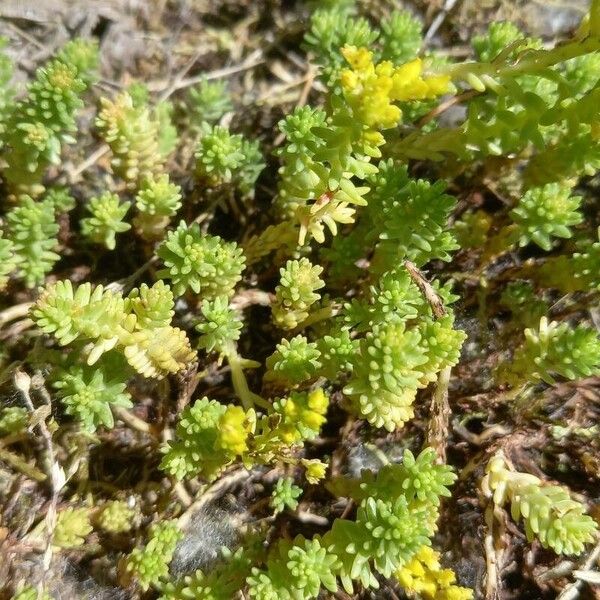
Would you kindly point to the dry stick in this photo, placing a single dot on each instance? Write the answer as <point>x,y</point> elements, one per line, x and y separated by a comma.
<point>494,540</point>
<point>437,306</point>
<point>211,493</point>
<point>493,556</point>
<point>311,518</point>
<point>179,77</point>
<point>444,106</point>
<point>571,591</point>
<point>26,36</point>
<point>124,285</point>
<point>90,161</point>
<point>562,569</point>
<point>250,297</point>
<point>56,477</point>
<point>131,420</point>
<point>251,61</point>
<point>273,96</point>
<point>439,19</point>
<point>182,494</point>
<point>12,313</point>
<point>437,429</point>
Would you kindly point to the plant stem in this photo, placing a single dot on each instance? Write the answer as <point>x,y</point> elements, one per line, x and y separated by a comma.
<point>240,383</point>
<point>380,454</point>
<point>319,315</point>
<point>437,429</point>
<point>530,61</point>
<point>21,465</point>
<point>15,312</point>
<point>131,420</point>
<point>56,476</point>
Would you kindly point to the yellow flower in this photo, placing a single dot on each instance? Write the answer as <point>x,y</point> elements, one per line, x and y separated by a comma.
<point>438,85</point>
<point>315,470</point>
<point>312,420</point>
<point>372,89</point>
<point>234,429</point>
<point>306,410</point>
<point>456,593</point>
<point>289,434</point>
<point>318,401</point>
<point>408,83</point>
<point>423,575</point>
<point>360,59</point>
<point>290,409</point>
<point>314,416</point>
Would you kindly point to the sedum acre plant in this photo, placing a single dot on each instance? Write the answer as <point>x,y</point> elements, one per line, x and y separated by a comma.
<point>41,123</point>
<point>150,564</point>
<point>205,264</point>
<point>207,102</point>
<point>548,512</point>
<point>393,521</point>
<point>225,158</point>
<point>285,495</point>
<point>555,349</point>
<point>138,326</point>
<point>296,292</point>
<point>132,133</point>
<point>105,220</point>
<point>31,231</point>
<point>87,393</point>
<point>157,201</point>
<point>210,435</point>
<point>249,316</point>
<point>13,419</point>
<point>72,527</point>
<point>115,516</point>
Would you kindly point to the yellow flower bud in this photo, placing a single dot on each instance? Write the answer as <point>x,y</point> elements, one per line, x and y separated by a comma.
<point>371,89</point>
<point>423,575</point>
<point>349,79</point>
<point>438,84</point>
<point>312,419</point>
<point>315,470</point>
<point>289,434</point>
<point>360,59</point>
<point>290,409</point>
<point>318,401</point>
<point>234,429</point>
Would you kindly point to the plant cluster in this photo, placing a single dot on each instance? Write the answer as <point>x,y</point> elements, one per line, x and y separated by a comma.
<point>138,326</point>
<point>37,127</point>
<point>211,435</point>
<point>406,269</point>
<point>29,242</point>
<point>131,131</point>
<point>554,350</point>
<point>397,514</point>
<point>548,512</point>
<point>149,565</point>
<point>226,158</point>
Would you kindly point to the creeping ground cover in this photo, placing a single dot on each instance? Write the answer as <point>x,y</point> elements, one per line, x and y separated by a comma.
<point>298,301</point>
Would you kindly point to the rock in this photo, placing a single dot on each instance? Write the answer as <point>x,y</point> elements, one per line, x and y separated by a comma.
<point>545,18</point>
